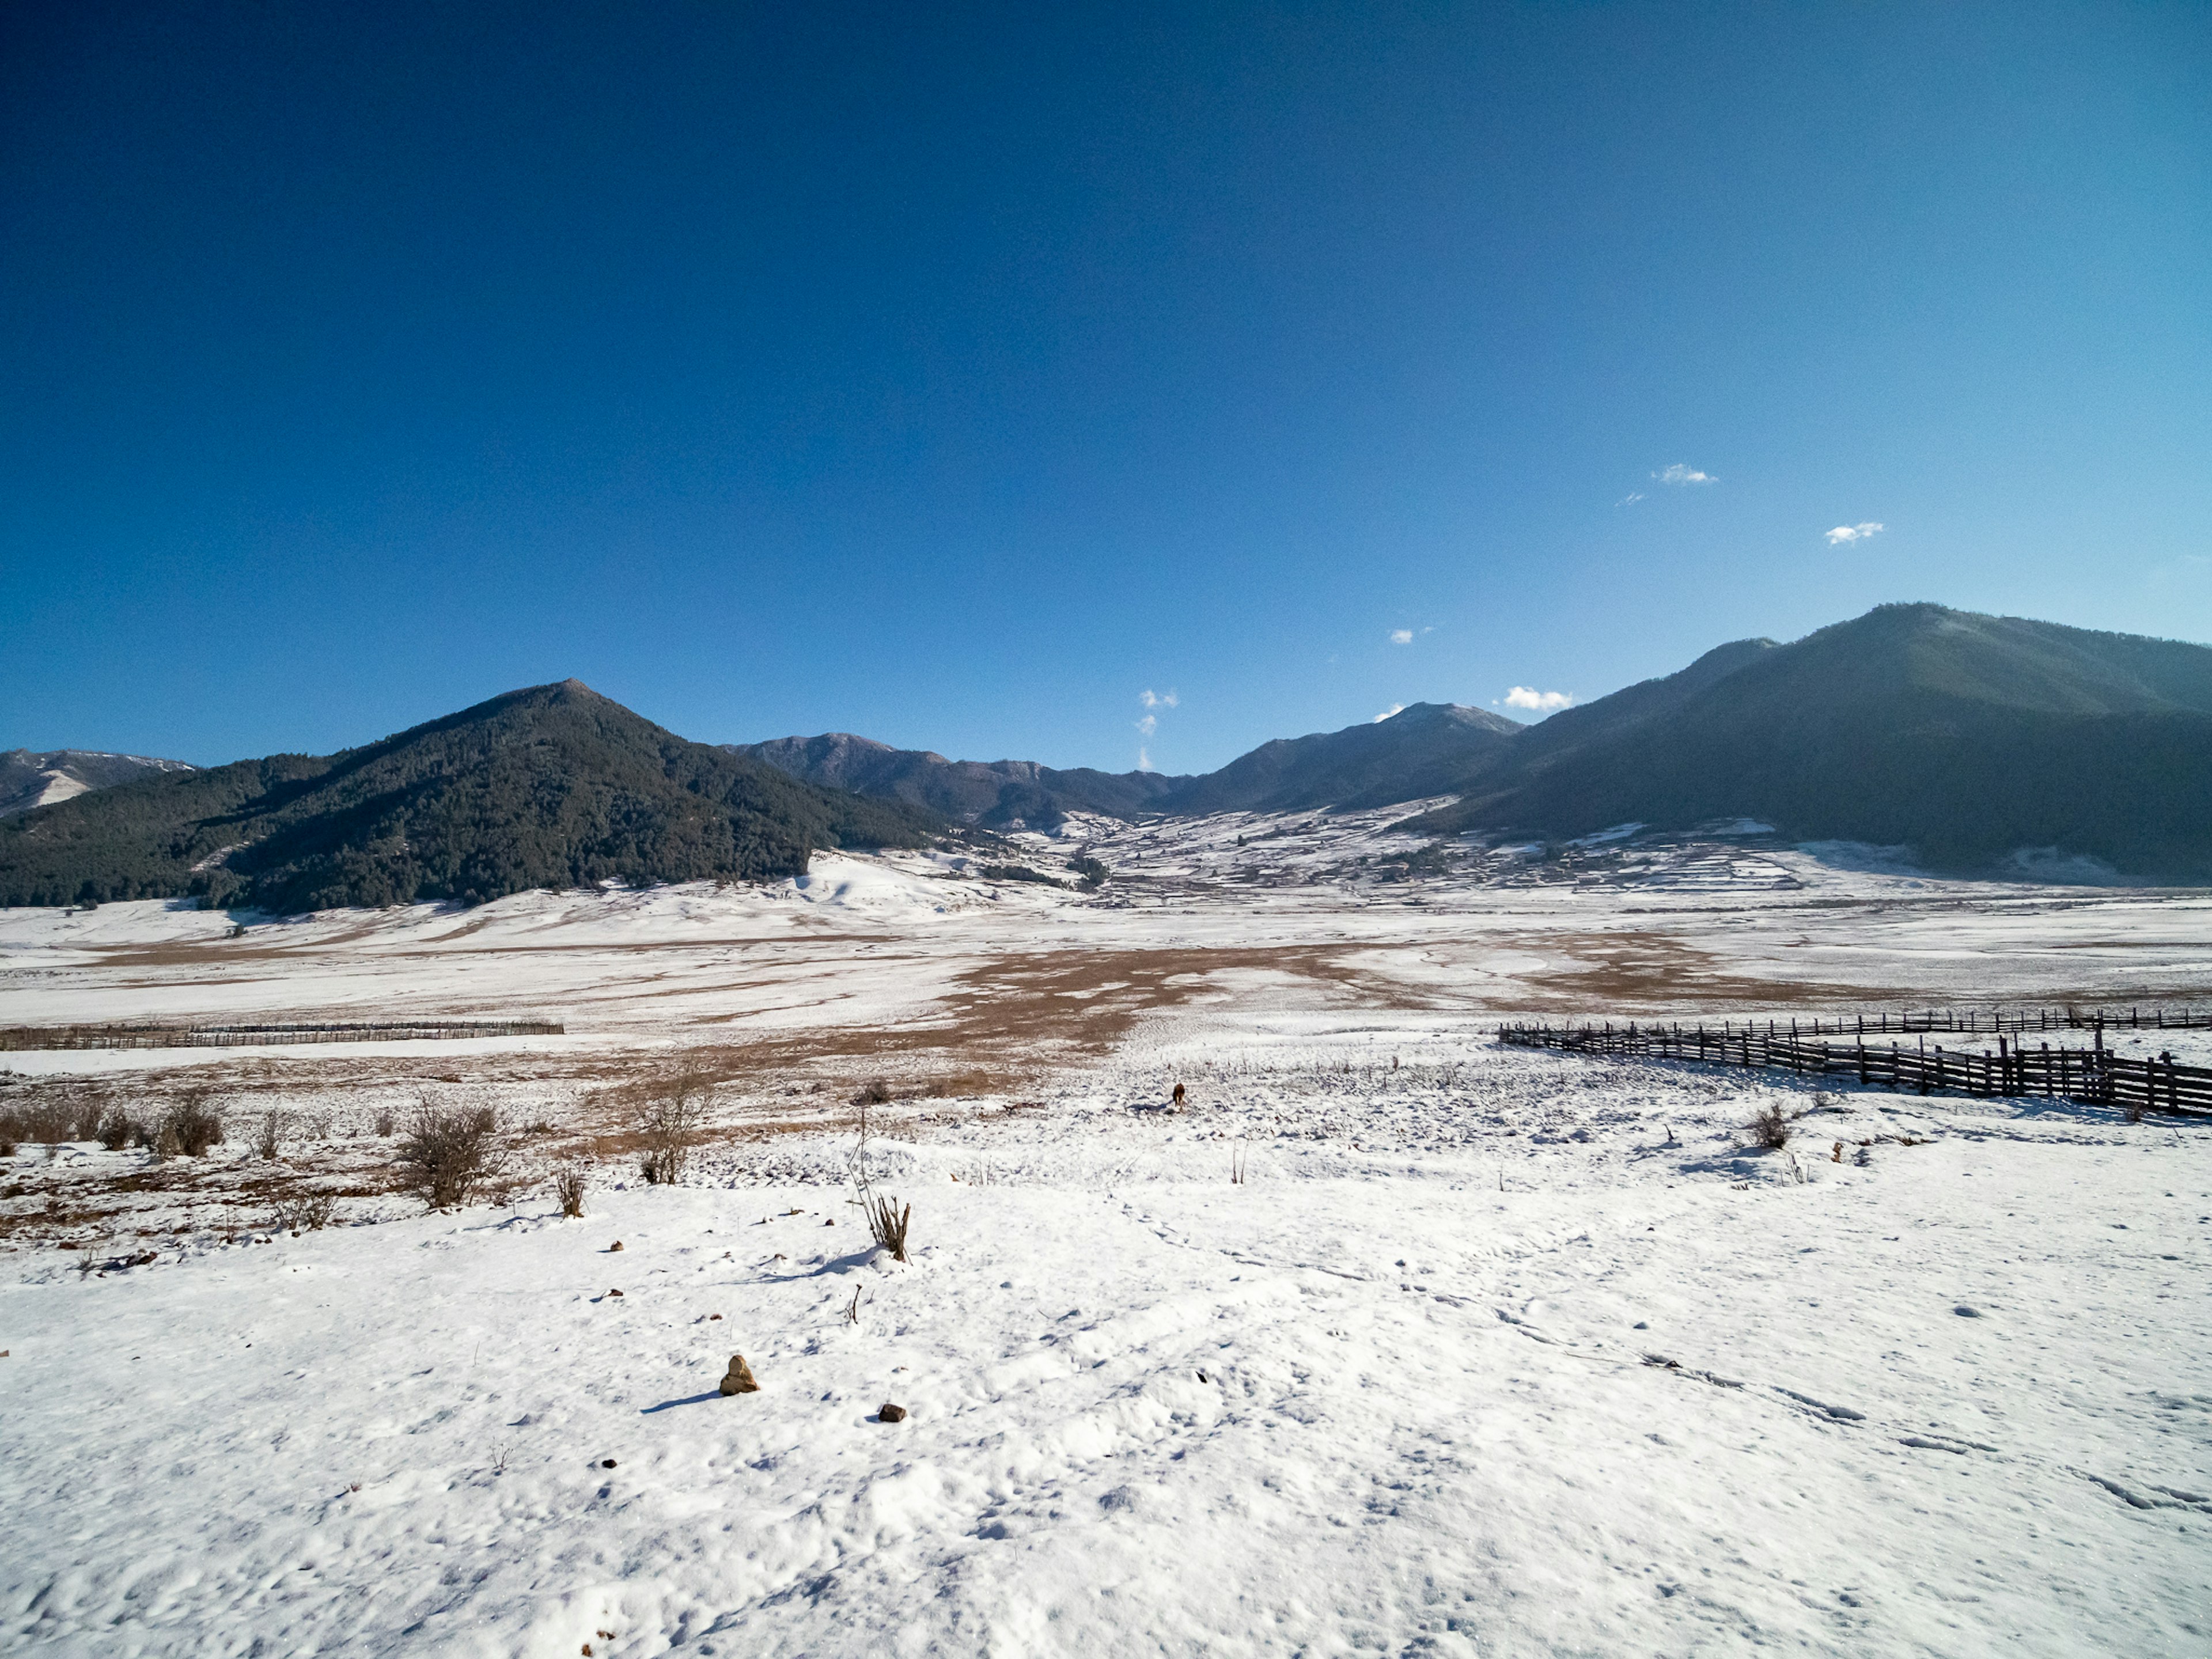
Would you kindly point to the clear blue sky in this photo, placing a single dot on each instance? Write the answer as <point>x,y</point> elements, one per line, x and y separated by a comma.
<point>957,375</point>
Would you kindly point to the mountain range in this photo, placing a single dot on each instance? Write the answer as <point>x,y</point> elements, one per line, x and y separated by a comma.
<point>1968,739</point>
<point>553,786</point>
<point>1424,749</point>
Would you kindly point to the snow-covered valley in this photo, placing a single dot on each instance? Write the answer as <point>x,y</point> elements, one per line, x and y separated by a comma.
<point>1392,1340</point>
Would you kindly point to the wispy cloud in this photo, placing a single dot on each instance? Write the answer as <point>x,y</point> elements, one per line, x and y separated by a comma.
<point>1679,474</point>
<point>1527,696</point>
<point>1845,534</point>
<point>1150,722</point>
<point>1401,636</point>
<point>1630,499</point>
<point>1394,709</point>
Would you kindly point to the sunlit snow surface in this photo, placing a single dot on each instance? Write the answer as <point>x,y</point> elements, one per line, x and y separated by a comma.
<point>1491,1352</point>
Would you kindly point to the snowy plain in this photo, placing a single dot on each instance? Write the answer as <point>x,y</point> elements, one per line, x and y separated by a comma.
<point>1393,1341</point>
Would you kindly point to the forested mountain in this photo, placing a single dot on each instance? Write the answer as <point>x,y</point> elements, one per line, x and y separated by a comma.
<point>1964,736</point>
<point>1427,749</point>
<point>29,779</point>
<point>551,786</point>
<point>994,794</point>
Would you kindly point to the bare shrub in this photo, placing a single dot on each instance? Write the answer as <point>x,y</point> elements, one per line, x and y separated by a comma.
<point>384,1124</point>
<point>448,1152</point>
<point>1769,1128</point>
<point>8,1134</point>
<point>266,1141</point>
<point>302,1212</point>
<point>569,1187</point>
<point>51,1121</point>
<point>119,1129</point>
<point>191,1126</point>
<point>670,1121</point>
<point>874,1093</point>
<point>887,1222</point>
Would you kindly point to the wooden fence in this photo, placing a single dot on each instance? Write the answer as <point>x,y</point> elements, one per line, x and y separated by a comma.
<point>1993,1021</point>
<point>2094,1074</point>
<point>19,1038</point>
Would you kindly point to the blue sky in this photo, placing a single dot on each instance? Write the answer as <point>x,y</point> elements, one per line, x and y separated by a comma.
<point>957,376</point>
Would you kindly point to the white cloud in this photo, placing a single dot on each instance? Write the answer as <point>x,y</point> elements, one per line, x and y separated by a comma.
<point>1147,726</point>
<point>1401,636</point>
<point>1844,534</point>
<point>1394,709</point>
<point>1152,699</point>
<point>1679,474</point>
<point>1144,760</point>
<point>1630,499</point>
<point>1527,696</point>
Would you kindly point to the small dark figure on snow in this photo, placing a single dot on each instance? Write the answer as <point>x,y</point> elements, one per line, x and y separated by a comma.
<point>1178,1096</point>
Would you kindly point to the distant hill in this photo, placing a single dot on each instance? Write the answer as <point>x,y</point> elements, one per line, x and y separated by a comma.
<point>994,794</point>
<point>1429,749</point>
<point>29,779</point>
<point>1426,749</point>
<point>1965,737</point>
<point>551,786</point>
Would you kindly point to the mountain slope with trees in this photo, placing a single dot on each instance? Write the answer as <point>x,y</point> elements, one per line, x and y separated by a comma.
<point>1966,738</point>
<point>992,793</point>
<point>553,786</point>
<point>1426,749</point>
<point>1429,749</point>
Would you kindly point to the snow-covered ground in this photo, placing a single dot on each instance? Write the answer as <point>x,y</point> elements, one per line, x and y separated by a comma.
<point>1487,1352</point>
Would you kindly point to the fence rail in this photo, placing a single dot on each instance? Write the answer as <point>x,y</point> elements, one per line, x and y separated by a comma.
<point>1974,1022</point>
<point>20,1038</point>
<point>2094,1074</point>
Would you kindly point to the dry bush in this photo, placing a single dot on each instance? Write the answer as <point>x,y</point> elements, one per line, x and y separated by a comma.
<point>873,1093</point>
<point>191,1126</point>
<point>271,1134</point>
<point>384,1124</point>
<point>887,1222</point>
<point>1769,1128</point>
<point>51,1121</point>
<point>119,1129</point>
<point>669,1121</point>
<point>305,1212</point>
<point>448,1152</point>
<point>8,1134</point>
<point>569,1187</point>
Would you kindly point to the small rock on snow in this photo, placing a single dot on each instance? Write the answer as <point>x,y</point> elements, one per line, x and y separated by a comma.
<point>891,1414</point>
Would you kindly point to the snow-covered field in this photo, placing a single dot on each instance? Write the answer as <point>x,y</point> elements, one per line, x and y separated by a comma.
<point>1486,1351</point>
